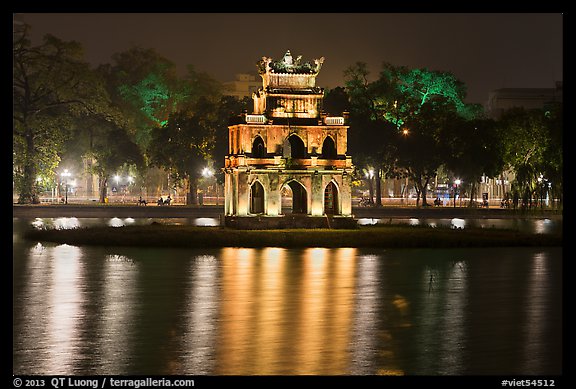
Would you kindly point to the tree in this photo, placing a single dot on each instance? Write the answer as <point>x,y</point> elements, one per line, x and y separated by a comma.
<point>553,167</point>
<point>105,142</point>
<point>185,145</point>
<point>473,149</point>
<point>336,101</point>
<point>532,149</point>
<point>401,118</point>
<point>51,86</point>
<point>145,87</point>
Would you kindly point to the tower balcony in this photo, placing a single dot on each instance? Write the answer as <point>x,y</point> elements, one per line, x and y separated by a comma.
<point>277,162</point>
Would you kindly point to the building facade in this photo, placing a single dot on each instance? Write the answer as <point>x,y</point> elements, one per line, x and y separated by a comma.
<point>503,99</point>
<point>288,145</point>
<point>244,85</point>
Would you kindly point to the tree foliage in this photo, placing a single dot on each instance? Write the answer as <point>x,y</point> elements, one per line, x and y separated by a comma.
<point>52,85</point>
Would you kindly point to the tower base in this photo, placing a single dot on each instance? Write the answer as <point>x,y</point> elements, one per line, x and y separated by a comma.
<point>260,222</point>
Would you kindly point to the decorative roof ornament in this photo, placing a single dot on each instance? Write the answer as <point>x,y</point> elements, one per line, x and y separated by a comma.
<point>289,65</point>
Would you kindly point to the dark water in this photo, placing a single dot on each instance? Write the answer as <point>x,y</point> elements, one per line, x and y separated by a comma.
<point>100,310</point>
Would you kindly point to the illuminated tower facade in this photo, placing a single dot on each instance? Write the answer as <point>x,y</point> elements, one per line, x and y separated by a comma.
<point>288,146</point>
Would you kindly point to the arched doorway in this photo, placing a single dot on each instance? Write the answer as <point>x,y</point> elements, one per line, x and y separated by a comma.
<point>297,148</point>
<point>258,148</point>
<point>328,148</point>
<point>299,201</point>
<point>331,203</point>
<point>256,198</point>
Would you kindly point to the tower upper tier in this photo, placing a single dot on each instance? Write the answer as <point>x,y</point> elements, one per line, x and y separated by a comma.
<point>288,88</point>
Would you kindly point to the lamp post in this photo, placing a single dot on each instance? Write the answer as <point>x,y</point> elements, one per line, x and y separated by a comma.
<point>65,174</point>
<point>207,173</point>
<point>369,176</point>
<point>456,183</point>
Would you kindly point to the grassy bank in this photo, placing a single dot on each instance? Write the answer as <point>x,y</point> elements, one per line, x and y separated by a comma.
<point>388,236</point>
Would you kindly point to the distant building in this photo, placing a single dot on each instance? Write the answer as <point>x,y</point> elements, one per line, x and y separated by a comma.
<point>501,100</point>
<point>243,86</point>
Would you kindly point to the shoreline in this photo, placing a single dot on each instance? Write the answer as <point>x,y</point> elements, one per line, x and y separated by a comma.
<point>391,236</point>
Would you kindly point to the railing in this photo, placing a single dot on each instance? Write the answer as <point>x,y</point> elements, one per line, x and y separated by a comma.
<point>255,119</point>
<point>334,121</point>
<point>295,163</point>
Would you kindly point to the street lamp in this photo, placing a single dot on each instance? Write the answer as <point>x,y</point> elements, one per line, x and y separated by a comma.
<point>207,172</point>
<point>65,174</point>
<point>456,183</point>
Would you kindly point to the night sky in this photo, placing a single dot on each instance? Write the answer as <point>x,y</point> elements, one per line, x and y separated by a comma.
<point>485,51</point>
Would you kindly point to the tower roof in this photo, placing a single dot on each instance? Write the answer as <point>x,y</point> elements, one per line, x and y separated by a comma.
<point>289,65</point>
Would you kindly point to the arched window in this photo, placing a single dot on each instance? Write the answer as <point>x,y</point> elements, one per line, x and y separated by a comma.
<point>257,198</point>
<point>297,148</point>
<point>329,148</point>
<point>258,148</point>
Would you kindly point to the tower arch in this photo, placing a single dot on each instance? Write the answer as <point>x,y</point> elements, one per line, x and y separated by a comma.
<point>332,204</point>
<point>329,148</point>
<point>257,198</point>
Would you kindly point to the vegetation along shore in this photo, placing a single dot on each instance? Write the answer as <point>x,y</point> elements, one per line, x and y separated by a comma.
<point>385,236</point>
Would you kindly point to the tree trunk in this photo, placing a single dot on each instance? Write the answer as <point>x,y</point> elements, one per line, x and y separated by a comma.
<point>102,188</point>
<point>192,195</point>
<point>378,187</point>
<point>472,191</point>
<point>417,187</point>
<point>371,190</point>
<point>28,191</point>
<point>424,191</point>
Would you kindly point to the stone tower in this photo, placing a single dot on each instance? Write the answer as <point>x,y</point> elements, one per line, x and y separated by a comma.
<point>288,145</point>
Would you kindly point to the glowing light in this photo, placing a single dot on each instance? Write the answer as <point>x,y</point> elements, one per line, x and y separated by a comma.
<point>116,222</point>
<point>207,172</point>
<point>66,223</point>
<point>458,223</point>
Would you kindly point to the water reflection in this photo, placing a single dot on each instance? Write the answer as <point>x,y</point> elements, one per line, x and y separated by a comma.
<point>538,226</point>
<point>237,311</point>
<point>50,335</point>
<point>119,301</point>
<point>201,317</point>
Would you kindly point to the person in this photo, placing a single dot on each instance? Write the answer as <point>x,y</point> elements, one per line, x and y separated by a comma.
<point>437,202</point>
<point>160,201</point>
<point>168,200</point>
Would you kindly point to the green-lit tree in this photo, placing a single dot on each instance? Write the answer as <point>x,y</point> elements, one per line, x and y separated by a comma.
<point>145,87</point>
<point>407,110</point>
<point>52,85</point>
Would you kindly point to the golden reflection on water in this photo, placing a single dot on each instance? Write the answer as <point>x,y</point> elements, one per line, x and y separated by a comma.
<point>275,311</point>
<point>274,321</point>
<point>64,309</point>
<point>118,308</point>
